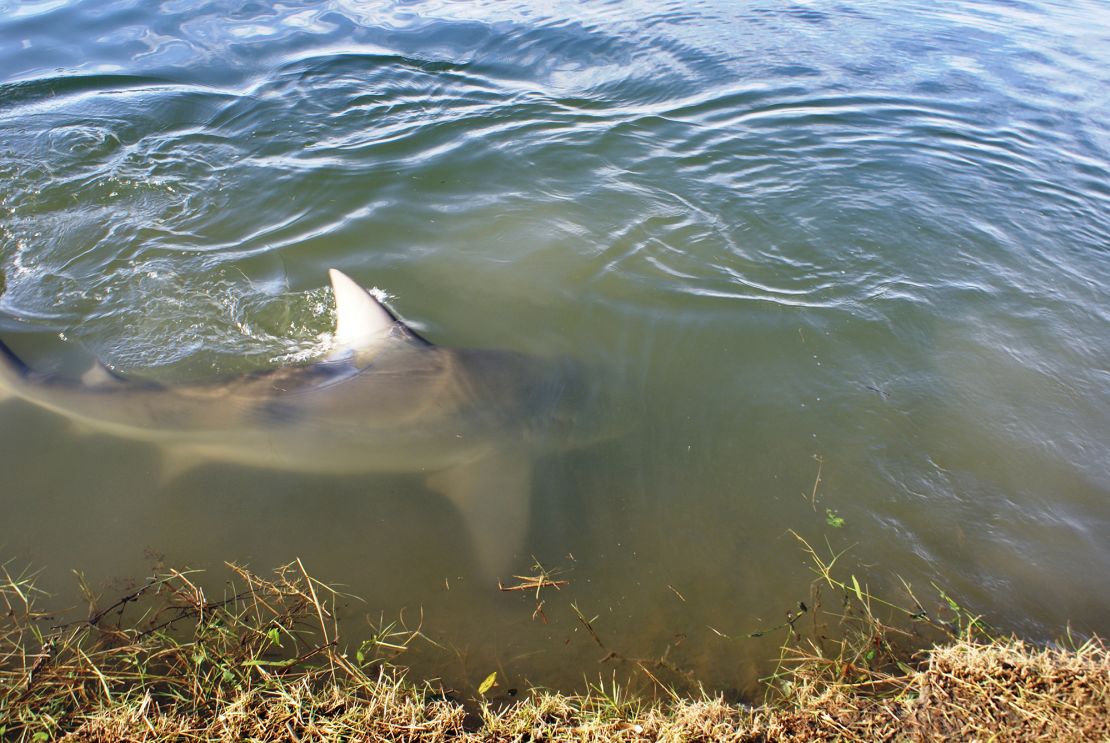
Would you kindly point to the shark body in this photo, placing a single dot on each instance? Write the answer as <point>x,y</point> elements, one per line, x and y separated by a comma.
<point>384,400</point>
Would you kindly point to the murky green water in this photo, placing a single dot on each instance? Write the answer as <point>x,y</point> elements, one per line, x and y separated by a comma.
<point>869,238</point>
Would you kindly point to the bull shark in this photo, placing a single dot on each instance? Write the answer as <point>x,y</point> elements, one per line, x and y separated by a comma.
<point>382,400</point>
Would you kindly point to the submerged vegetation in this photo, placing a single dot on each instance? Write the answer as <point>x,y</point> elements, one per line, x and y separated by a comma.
<point>265,661</point>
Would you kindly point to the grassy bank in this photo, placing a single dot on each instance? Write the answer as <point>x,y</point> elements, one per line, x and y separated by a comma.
<point>264,661</point>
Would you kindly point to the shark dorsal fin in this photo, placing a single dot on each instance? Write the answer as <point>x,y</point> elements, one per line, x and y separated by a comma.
<point>100,375</point>
<point>362,323</point>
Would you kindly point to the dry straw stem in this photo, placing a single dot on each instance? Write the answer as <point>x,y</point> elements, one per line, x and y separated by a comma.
<point>264,661</point>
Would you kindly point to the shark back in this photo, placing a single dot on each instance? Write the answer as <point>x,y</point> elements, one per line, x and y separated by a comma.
<point>383,400</point>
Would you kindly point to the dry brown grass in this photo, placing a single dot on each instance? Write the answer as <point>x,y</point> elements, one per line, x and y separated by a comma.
<point>264,662</point>
<point>973,691</point>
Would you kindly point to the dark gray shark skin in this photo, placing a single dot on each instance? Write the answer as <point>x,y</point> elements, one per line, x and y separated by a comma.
<point>384,400</point>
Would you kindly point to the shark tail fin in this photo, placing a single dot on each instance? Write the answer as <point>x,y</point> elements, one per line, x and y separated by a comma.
<point>12,370</point>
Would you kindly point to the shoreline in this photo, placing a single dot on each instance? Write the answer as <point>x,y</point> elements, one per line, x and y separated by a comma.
<point>266,662</point>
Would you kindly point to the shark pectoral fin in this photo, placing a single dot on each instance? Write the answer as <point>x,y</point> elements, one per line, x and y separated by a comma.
<point>175,463</point>
<point>492,495</point>
<point>79,427</point>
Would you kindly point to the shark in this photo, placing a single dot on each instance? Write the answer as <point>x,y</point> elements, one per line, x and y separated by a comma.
<point>382,399</point>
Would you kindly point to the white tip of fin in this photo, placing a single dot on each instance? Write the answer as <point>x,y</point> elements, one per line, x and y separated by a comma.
<point>361,322</point>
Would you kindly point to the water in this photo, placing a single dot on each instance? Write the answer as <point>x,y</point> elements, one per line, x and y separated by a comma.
<point>849,238</point>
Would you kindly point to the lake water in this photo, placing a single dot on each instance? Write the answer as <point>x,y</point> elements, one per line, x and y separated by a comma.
<point>868,240</point>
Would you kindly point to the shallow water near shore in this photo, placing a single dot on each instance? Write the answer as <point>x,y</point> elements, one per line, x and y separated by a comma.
<point>841,268</point>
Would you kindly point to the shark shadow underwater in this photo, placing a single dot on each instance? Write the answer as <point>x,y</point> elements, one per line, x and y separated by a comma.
<point>382,400</point>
